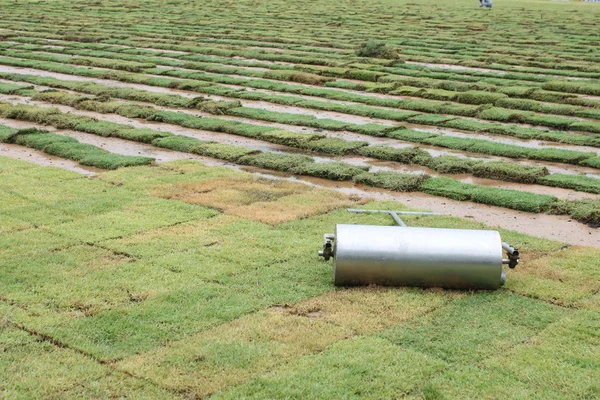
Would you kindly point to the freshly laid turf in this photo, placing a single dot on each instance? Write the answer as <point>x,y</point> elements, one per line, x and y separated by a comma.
<point>578,182</point>
<point>178,280</point>
<point>68,147</point>
<point>586,211</point>
<point>391,180</point>
<point>143,272</point>
<point>510,172</point>
<point>488,195</point>
<point>452,165</point>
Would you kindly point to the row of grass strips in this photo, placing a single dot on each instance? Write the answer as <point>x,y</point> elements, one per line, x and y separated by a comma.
<point>442,164</point>
<point>312,142</point>
<point>470,97</point>
<point>154,57</point>
<point>70,148</point>
<point>315,142</point>
<point>516,61</point>
<point>299,164</point>
<point>397,115</point>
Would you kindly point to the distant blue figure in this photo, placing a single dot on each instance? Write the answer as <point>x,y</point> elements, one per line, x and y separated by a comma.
<point>485,3</point>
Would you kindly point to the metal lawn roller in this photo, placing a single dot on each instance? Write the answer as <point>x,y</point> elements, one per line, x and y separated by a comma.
<point>423,257</point>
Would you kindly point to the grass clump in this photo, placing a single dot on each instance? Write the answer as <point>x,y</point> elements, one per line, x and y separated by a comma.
<point>479,97</point>
<point>223,151</point>
<point>335,146</point>
<point>409,155</point>
<point>430,119</point>
<point>275,161</point>
<point>560,155</point>
<point>102,128</point>
<point>218,107</point>
<point>452,165</point>
<point>391,180</point>
<point>505,115</point>
<point>586,211</point>
<point>376,49</point>
<point>586,126</point>
<point>510,172</point>
<point>447,187</point>
<point>336,170</point>
<point>44,116</point>
<point>288,138</point>
<point>593,162</point>
<point>144,135</point>
<point>478,146</point>
<point>580,183</point>
<point>6,134</point>
<point>178,143</point>
<point>40,139</point>
<point>410,136</point>
<point>370,129</point>
<point>11,88</point>
<point>514,199</point>
<point>296,76</point>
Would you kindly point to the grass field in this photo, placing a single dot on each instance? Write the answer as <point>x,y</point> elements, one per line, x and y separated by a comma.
<point>172,252</point>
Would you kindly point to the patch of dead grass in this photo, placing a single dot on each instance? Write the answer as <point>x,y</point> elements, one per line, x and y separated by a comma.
<point>265,200</point>
<point>370,309</point>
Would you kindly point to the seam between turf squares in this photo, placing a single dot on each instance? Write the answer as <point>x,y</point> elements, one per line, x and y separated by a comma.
<point>55,342</point>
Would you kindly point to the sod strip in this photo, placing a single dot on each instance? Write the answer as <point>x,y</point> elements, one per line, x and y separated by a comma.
<point>70,148</point>
<point>203,86</point>
<point>585,211</point>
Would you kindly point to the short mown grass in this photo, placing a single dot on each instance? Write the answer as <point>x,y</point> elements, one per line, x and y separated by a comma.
<point>204,280</point>
<point>178,280</point>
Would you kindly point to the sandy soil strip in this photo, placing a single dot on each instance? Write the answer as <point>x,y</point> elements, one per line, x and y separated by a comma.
<point>46,160</point>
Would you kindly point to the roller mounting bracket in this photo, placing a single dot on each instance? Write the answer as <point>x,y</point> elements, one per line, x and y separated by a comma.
<point>327,251</point>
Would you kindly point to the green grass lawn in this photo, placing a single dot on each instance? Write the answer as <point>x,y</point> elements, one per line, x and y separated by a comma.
<point>181,281</point>
<point>185,281</point>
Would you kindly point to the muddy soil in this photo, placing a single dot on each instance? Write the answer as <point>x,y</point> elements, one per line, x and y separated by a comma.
<point>554,227</point>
